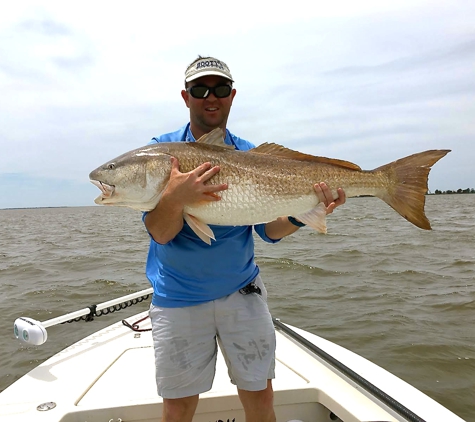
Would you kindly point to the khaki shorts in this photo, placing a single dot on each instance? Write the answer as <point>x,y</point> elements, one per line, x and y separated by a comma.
<point>185,342</point>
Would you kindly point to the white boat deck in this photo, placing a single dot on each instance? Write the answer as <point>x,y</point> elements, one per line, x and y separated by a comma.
<point>110,376</point>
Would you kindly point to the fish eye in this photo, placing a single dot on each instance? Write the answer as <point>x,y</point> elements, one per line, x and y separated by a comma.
<point>111,166</point>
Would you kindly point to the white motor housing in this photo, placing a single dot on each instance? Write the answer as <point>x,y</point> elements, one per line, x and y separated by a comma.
<point>29,331</point>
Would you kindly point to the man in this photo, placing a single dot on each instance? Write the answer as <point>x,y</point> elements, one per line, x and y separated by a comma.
<point>204,293</point>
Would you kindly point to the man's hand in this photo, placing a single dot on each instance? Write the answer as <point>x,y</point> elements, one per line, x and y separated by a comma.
<point>324,195</point>
<point>189,188</point>
<point>166,220</point>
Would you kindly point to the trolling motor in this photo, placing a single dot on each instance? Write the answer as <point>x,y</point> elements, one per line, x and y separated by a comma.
<point>31,331</point>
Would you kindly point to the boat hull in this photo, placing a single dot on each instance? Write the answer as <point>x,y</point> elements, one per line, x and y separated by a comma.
<point>110,376</point>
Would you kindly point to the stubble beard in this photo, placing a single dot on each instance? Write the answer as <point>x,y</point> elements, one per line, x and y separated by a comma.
<point>207,124</point>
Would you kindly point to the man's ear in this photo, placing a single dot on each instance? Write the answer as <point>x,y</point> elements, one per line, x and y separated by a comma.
<point>186,97</point>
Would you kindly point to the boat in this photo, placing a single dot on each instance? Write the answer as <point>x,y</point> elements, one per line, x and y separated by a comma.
<point>109,376</point>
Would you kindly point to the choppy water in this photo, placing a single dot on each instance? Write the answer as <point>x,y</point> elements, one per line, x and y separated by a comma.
<point>402,297</point>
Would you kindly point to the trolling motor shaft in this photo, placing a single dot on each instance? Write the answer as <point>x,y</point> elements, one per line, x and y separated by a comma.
<point>31,331</point>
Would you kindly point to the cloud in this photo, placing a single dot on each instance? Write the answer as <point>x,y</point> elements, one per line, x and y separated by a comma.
<point>368,82</point>
<point>40,50</point>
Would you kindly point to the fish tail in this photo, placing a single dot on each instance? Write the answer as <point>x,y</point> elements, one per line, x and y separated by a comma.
<point>408,185</point>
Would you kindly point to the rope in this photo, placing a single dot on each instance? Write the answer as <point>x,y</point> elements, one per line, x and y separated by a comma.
<point>135,325</point>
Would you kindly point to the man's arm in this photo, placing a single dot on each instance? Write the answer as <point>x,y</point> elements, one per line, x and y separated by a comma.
<point>282,227</point>
<point>166,220</point>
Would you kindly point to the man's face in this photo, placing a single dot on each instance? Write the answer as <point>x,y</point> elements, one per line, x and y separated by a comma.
<point>208,113</point>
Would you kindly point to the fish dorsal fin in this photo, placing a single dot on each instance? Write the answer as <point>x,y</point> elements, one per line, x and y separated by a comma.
<point>215,137</point>
<point>280,151</point>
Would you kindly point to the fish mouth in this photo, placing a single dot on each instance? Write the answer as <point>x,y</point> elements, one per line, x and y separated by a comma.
<point>106,191</point>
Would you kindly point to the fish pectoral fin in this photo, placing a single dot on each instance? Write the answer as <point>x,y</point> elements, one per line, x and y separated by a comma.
<point>201,229</point>
<point>213,195</point>
<point>316,218</point>
<point>215,137</point>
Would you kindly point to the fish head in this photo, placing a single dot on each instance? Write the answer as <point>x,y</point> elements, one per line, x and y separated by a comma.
<point>135,179</point>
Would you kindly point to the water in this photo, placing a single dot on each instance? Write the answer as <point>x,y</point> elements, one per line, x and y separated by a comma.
<point>402,297</point>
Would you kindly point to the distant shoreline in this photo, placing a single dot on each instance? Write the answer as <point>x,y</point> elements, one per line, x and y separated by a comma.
<point>360,196</point>
<point>43,208</point>
<point>452,192</point>
<point>34,208</point>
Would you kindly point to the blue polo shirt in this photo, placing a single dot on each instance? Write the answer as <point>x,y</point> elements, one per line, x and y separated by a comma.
<point>186,271</point>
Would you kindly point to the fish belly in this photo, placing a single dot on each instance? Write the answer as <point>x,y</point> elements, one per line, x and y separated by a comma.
<point>242,206</point>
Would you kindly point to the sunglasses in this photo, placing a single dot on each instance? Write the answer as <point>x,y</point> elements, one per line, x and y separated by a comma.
<point>203,91</point>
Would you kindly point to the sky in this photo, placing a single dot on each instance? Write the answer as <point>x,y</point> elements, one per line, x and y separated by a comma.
<point>367,82</point>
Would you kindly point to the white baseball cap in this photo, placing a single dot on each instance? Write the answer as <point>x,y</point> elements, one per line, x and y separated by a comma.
<point>205,66</point>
